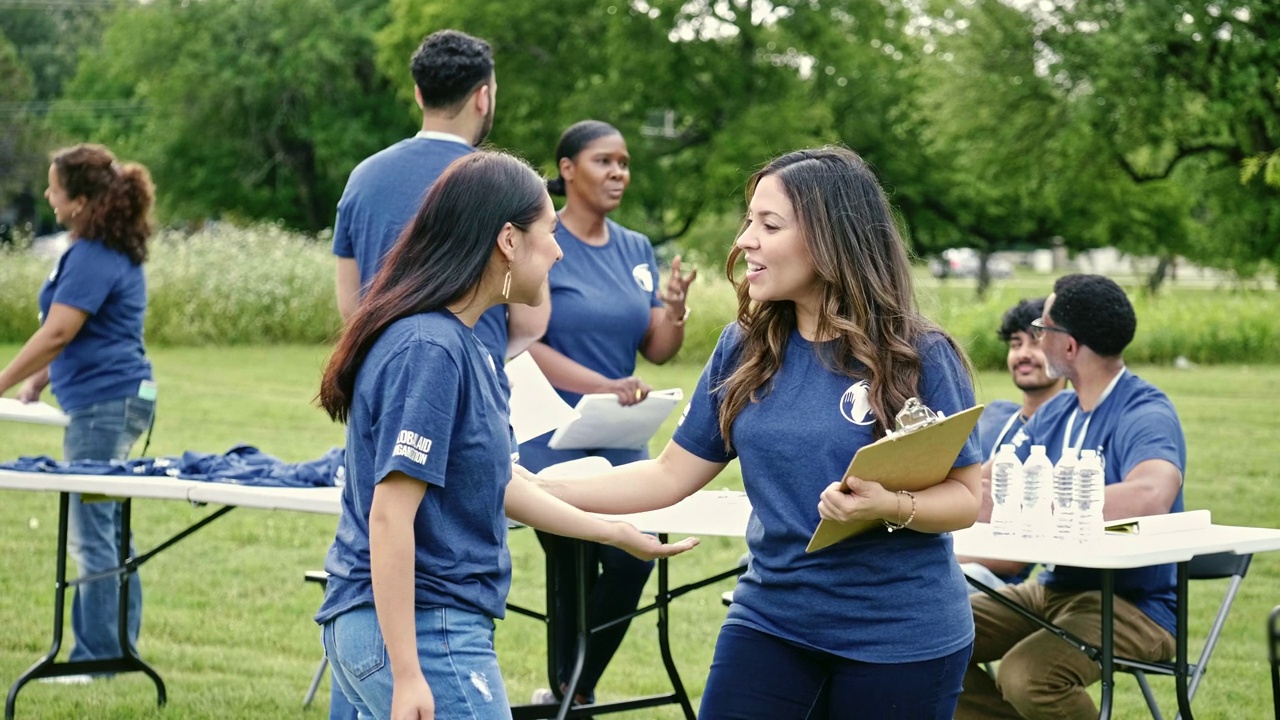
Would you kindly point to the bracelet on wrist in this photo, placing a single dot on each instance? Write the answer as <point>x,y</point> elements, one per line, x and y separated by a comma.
<point>679,322</point>
<point>901,524</point>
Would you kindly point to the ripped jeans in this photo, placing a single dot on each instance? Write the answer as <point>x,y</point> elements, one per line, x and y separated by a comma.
<point>455,648</point>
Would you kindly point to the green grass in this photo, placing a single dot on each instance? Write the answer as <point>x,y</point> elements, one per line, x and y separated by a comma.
<point>228,618</point>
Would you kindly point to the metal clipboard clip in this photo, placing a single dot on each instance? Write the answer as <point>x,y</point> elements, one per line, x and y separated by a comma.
<point>914,416</point>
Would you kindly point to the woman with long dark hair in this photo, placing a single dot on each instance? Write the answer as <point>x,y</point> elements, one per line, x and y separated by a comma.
<point>90,349</point>
<point>607,306</point>
<point>419,567</point>
<point>827,347</point>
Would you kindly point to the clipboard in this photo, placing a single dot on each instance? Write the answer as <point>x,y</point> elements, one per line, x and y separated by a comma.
<point>1159,524</point>
<point>912,459</point>
<point>605,423</point>
<point>40,413</point>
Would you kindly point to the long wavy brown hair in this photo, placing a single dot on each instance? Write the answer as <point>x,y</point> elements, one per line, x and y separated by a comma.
<point>867,309</point>
<point>119,197</point>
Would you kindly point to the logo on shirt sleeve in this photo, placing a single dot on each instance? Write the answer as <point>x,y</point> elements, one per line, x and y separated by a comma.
<point>855,406</point>
<point>413,446</point>
<point>643,276</point>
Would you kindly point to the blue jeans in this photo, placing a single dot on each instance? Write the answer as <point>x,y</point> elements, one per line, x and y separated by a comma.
<point>757,675</point>
<point>102,431</point>
<point>455,649</point>
<point>615,582</point>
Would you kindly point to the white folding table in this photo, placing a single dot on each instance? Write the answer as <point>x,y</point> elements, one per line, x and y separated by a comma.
<point>1118,552</point>
<point>707,513</point>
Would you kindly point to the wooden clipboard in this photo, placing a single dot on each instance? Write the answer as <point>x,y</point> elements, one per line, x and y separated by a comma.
<point>912,460</point>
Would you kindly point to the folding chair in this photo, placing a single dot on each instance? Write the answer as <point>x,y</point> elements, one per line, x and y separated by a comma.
<point>322,578</point>
<point>1273,626</point>
<point>1217,566</point>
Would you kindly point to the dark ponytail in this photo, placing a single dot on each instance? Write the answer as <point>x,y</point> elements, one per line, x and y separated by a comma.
<point>572,141</point>
<point>119,197</point>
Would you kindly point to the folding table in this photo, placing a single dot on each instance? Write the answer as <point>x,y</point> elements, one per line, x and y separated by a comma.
<point>1118,552</point>
<point>705,513</point>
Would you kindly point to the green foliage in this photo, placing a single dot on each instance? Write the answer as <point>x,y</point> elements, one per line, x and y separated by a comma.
<point>254,110</point>
<point>264,285</point>
<point>221,286</point>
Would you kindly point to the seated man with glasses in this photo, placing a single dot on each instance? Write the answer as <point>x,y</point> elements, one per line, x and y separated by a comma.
<point>1087,323</point>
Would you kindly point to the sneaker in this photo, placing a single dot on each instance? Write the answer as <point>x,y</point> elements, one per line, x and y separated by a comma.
<point>543,696</point>
<point>80,679</point>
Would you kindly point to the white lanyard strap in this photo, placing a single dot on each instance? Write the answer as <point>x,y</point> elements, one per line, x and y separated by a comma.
<point>1084,429</point>
<point>1004,431</point>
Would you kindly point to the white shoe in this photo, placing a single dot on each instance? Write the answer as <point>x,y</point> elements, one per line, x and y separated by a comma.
<point>68,679</point>
<point>543,696</point>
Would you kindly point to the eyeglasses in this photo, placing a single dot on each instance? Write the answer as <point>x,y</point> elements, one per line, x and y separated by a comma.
<point>1038,329</point>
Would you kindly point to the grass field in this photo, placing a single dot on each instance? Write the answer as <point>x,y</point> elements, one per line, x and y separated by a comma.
<point>228,618</point>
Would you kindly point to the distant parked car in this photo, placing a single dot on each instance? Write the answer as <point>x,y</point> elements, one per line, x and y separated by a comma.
<point>963,263</point>
<point>51,247</point>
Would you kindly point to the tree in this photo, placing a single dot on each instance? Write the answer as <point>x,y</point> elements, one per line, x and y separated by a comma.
<point>245,109</point>
<point>1179,95</point>
<point>705,92</point>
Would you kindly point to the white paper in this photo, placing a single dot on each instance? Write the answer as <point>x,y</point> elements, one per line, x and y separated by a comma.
<point>36,412</point>
<point>536,407</point>
<point>605,423</point>
<point>582,467</point>
<point>1158,524</point>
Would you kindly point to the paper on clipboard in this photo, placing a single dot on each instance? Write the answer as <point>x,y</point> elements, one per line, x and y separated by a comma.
<point>37,412</point>
<point>604,423</point>
<point>536,407</point>
<point>1159,524</point>
<point>911,461</point>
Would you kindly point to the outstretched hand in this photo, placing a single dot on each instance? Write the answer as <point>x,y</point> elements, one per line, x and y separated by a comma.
<point>648,547</point>
<point>676,292</point>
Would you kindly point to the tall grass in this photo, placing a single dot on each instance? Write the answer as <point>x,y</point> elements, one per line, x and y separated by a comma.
<point>263,285</point>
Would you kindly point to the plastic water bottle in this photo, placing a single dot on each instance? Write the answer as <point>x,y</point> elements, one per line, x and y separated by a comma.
<point>1090,491</point>
<point>1006,492</point>
<point>1037,498</point>
<point>1065,520</point>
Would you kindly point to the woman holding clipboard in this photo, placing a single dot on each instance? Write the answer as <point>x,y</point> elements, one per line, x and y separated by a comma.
<point>827,348</point>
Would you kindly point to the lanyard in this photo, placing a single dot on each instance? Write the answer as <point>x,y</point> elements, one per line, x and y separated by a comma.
<point>1084,429</point>
<point>1004,431</point>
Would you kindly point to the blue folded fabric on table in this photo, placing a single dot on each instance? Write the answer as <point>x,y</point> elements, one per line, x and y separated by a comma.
<point>241,465</point>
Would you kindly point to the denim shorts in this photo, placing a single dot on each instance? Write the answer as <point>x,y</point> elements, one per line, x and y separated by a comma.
<point>455,649</point>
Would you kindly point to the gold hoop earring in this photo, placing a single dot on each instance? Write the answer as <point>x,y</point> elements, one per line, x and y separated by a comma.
<point>506,285</point>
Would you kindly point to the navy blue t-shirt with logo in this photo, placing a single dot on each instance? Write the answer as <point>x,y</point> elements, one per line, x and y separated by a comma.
<point>106,360</point>
<point>1134,423</point>
<point>601,297</point>
<point>876,597</point>
<point>428,404</point>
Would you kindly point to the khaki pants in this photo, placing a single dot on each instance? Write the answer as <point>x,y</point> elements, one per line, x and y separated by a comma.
<point>1040,675</point>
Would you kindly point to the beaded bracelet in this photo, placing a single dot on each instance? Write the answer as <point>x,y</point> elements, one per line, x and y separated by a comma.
<point>900,525</point>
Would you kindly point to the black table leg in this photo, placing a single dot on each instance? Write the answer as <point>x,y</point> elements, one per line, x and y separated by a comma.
<point>1108,640</point>
<point>1180,640</point>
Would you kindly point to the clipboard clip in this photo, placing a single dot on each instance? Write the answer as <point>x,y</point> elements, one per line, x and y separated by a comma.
<point>914,416</point>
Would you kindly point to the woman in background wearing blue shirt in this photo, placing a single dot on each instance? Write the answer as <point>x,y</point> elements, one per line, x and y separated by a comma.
<point>90,349</point>
<point>605,307</point>
<point>419,567</point>
<point>827,347</point>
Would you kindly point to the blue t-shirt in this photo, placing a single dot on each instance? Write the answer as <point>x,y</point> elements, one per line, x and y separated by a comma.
<point>427,404</point>
<point>1135,423</point>
<point>876,597</point>
<point>1000,422</point>
<point>106,360</point>
<point>601,297</point>
<point>382,195</point>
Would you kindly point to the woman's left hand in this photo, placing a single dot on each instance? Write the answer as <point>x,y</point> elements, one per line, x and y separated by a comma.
<point>30,390</point>
<point>647,547</point>
<point>857,499</point>
<point>675,294</point>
